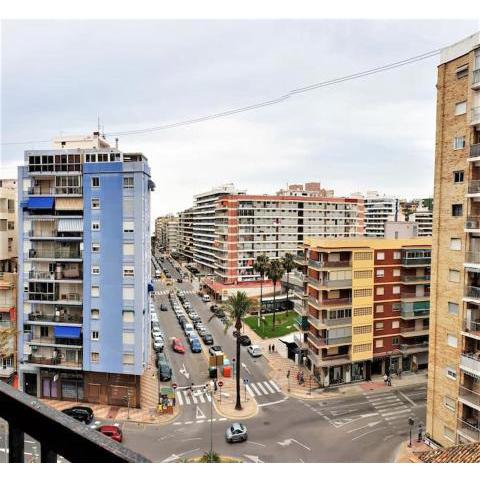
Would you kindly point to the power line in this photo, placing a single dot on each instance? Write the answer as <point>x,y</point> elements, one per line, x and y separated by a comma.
<point>266,103</point>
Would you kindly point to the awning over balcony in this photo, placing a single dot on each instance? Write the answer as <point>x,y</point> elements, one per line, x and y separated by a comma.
<point>40,203</point>
<point>67,332</point>
<point>69,204</point>
<point>70,225</point>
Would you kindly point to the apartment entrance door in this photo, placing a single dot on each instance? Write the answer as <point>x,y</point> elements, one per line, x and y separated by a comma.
<point>30,384</point>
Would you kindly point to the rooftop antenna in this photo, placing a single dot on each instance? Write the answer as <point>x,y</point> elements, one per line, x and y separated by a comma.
<point>98,124</point>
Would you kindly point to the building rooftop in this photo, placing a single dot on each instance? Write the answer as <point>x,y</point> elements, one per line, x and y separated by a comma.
<point>367,242</point>
<point>460,48</point>
<point>457,454</point>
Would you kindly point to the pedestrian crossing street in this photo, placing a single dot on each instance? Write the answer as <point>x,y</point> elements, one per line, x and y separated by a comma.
<point>392,409</point>
<point>258,389</point>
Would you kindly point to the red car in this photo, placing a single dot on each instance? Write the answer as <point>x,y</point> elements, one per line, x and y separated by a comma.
<point>177,346</point>
<point>112,431</point>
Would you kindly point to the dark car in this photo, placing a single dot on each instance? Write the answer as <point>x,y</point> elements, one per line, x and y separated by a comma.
<point>82,414</point>
<point>207,339</point>
<point>163,307</point>
<point>213,308</point>
<point>245,340</point>
<point>179,280</point>
<point>195,346</point>
<point>220,313</point>
<point>112,431</point>
<point>164,368</point>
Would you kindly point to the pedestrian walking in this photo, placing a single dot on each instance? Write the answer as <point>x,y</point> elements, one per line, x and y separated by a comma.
<point>385,379</point>
<point>302,379</point>
<point>269,348</point>
<point>389,381</point>
<point>399,373</point>
<point>298,377</point>
<point>273,347</point>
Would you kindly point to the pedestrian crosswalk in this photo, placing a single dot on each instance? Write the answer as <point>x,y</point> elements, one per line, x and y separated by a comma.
<point>392,409</point>
<point>167,291</point>
<point>184,397</point>
<point>258,389</point>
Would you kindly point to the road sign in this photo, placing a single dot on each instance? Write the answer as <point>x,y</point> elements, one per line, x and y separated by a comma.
<point>233,360</point>
<point>220,383</point>
<point>174,386</point>
<point>245,381</point>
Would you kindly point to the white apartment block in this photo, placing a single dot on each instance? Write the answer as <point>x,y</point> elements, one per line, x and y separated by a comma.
<point>423,217</point>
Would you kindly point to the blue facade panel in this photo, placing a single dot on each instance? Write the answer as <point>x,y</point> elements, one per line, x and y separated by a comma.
<point>40,203</point>
<point>67,332</point>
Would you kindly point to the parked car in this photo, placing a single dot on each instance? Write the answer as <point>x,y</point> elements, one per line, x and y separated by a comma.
<point>215,350</point>
<point>188,327</point>
<point>220,313</point>
<point>198,325</point>
<point>182,321</point>
<point>112,431</point>
<point>245,340</point>
<point>80,413</point>
<point>195,346</point>
<point>164,368</point>
<point>206,298</point>
<point>208,339</point>
<point>254,350</point>
<point>179,280</point>
<point>202,330</point>
<point>213,308</point>
<point>163,307</point>
<point>177,346</point>
<point>158,344</point>
<point>236,432</point>
<point>192,336</point>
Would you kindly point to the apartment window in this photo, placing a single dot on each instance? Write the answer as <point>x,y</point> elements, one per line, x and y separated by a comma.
<point>461,72</point>
<point>94,313</point>
<point>128,293</point>
<point>363,329</point>
<point>395,340</point>
<point>95,203</point>
<point>95,182</point>
<point>378,308</point>
<point>453,308</point>
<point>128,249</point>
<point>362,292</point>
<point>95,226</point>
<point>127,182</point>
<point>362,274</point>
<point>396,307</point>
<point>379,343</point>
<point>457,210</point>
<point>363,255</point>
<point>454,276</point>
<point>396,272</point>
<point>458,176</point>
<point>449,433</point>
<point>395,324</point>
<point>128,316</point>
<point>128,227</point>
<point>452,340</point>
<point>397,255</point>
<point>95,334</point>
<point>449,402</point>
<point>362,311</point>
<point>44,331</point>
<point>380,255</point>
<point>95,270</point>
<point>451,373</point>
<point>380,273</point>
<point>395,289</point>
<point>380,290</point>
<point>128,272</point>
<point>11,225</point>
<point>95,247</point>
<point>95,291</point>
<point>461,108</point>
<point>95,357</point>
<point>128,338</point>
<point>363,347</point>
<point>455,244</point>
<point>128,359</point>
<point>378,325</point>
<point>458,143</point>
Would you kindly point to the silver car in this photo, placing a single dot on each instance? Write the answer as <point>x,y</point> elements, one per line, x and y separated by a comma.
<point>236,432</point>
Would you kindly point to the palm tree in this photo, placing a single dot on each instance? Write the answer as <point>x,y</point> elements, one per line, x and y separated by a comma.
<point>238,306</point>
<point>288,265</point>
<point>275,273</point>
<point>261,266</point>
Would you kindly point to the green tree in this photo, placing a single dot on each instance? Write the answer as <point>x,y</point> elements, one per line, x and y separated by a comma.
<point>237,306</point>
<point>288,265</point>
<point>261,266</point>
<point>275,273</point>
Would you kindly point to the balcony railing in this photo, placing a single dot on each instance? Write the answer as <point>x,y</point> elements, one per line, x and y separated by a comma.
<point>54,253</point>
<point>57,361</point>
<point>320,342</point>
<point>475,150</point>
<point>466,395</point>
<point>56,433</point>
<point>416,278</point>
<point>475,116</point>
<point>74,342</point>
<point>414,295</point>
<point>416,261</point>
<point>65,318</point>
<point>301,322</point>
<point>476,77</point>
<point>472,327</point>
<point>470,362</point>
<point>330,283</point>
<point>474,186</point>
<point>54,297</point>
<point>472,292</point>
<point>55,191</point>
<point>469,428</point>
<point>414,347</point>
<point>472,257</point>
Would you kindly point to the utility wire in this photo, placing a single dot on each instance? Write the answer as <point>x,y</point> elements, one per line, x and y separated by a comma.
<point>267,103</point>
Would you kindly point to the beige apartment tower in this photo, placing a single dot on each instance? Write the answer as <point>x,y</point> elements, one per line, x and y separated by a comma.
<point>453,409</point>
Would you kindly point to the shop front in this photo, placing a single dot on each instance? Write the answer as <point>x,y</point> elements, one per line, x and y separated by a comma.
<point>61,385</point>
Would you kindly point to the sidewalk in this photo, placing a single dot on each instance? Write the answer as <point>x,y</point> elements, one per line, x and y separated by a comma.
<point>225,405</point>
<point>406,454</point>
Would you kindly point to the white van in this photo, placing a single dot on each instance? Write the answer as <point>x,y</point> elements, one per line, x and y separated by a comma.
<point>206,298</point>
<point>158,273</point>
<point>255,350</point>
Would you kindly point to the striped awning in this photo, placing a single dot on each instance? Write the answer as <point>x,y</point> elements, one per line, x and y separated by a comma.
<point>69,204</point>
<point>70,225</point>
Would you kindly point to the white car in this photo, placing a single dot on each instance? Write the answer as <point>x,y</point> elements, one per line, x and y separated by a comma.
<point>254,350</point>
<point>189,329</point>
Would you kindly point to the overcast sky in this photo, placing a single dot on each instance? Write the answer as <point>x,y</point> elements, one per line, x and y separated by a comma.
<point>375,133</point>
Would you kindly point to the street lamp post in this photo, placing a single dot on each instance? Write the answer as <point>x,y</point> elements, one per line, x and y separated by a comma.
<point>411,422</point>
<point>210,388</point>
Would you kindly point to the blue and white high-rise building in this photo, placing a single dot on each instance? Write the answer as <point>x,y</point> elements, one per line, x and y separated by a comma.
<point>84,267</point>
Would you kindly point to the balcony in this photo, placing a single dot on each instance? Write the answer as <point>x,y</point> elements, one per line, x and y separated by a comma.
<point>475,150</point>
<point>473,188</point>
<point>468,429</point>
<point>419,347</point>
<point>476,79</point>
<point>475,116</point>
<point>472,223</point>
<point>301,323</point>
<point>61,298</point>
<point>416,261</point>
<point>415,279</point>
<point>470,363</point>
<point>300,260</point>
<point>472,257</point>
<point>56,433</point>
<point>325,283</point>
<point>55,234</point>
<point>54,253</point>
<point>471,328</point>
<point>63,191</point>
<point>409,314</point>
<point>326,264</point>
<point>329,360</point>
<point>409,332</point>
<point>54,319</point>
<point>328,303</point>
<point>469,397</point>
<point>55,341</point>
<point>413,296</point>
<point>322,342</point>
<point>51,276</point>
<point>472,293</point>
<point>54,361</point>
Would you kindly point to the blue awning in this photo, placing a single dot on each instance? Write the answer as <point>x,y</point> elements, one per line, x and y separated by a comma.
<point>67,332</point>
<point>40,203</point>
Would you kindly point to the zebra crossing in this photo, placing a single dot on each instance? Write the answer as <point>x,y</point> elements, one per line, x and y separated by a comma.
<point>392,409</point>
<point>258,389</point>
<point>184,397</point>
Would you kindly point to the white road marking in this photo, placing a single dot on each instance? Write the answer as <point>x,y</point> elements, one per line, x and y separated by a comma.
<point>222,419</point>
<point>194,398</point>
<point>255,443</point>
<point>256,389</point>
<point>408,399</point>
<point>200,396</point>
<point>368,425</point>
<point>395,418</point>
<point>287,442</point>
<point>249,390</point>
<point>392,408</point>
<point>367,433</point>
<point>394,413</point>
<point>188,423</point>
<point>199,414</point>
<point>274,403</point>
<point>179,398</point>
<point>178,423</point>
<point>390,397</point>
<point>275,386</point>
<point>262,388</point>
<point>268,387</point>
